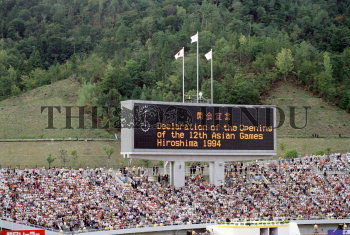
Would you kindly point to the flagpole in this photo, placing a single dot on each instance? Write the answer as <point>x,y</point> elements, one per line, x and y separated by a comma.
<point>197,67</point>
<point>183,77</point>
<point>211,75</point>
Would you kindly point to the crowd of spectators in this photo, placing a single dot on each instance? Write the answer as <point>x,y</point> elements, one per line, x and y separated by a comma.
<point>79,199</point>
<point>334,162</point>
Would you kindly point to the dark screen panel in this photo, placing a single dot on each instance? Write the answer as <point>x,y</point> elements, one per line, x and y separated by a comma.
<point>160,126</point>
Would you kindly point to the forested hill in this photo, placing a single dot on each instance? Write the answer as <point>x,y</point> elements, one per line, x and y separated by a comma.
<point>122,49</point>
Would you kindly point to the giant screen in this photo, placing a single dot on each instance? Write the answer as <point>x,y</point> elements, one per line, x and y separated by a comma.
<point>181,126</point>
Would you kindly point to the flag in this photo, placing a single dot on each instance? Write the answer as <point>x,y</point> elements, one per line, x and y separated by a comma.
<point>194,38</point>
<point>208,56</point>
<point>180,53</point>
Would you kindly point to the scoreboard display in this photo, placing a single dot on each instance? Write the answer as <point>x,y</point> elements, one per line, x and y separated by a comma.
<point>194,128</point>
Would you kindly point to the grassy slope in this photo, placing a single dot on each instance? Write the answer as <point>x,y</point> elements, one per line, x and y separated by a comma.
<point>21,117</point>
<point>32,154</point>
<point>323,118</point>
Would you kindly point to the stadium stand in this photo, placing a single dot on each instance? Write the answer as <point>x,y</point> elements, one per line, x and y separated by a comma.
<point>312,187</point>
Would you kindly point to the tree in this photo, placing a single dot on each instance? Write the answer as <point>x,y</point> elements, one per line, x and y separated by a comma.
<point>327,64</point>
<point>93,68</point>
<point>283,147</point>
<point>34,60</point>
<point>64,157</point>
<point>74,154</point>
<point>291,154</point>
<point>50,159</point>
<point>284,62</point>
<point>319,153</point>
<point>239,90</point>
<point>109,151</point>
<point>88,94</point>
<point>7,81</point>
<point>324,80</point>
<point>146,163</point>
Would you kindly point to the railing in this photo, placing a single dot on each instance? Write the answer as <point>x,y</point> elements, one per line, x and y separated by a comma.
<point>163,227</point>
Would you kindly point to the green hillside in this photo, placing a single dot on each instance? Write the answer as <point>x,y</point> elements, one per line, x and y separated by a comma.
<point>21,117</point>
<point>323,118</point>
<point>125,49</point>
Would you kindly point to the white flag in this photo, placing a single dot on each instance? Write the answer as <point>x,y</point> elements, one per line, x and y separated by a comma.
<point>180,53</point>
<point>194,38</point>
<point>209,55</point>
